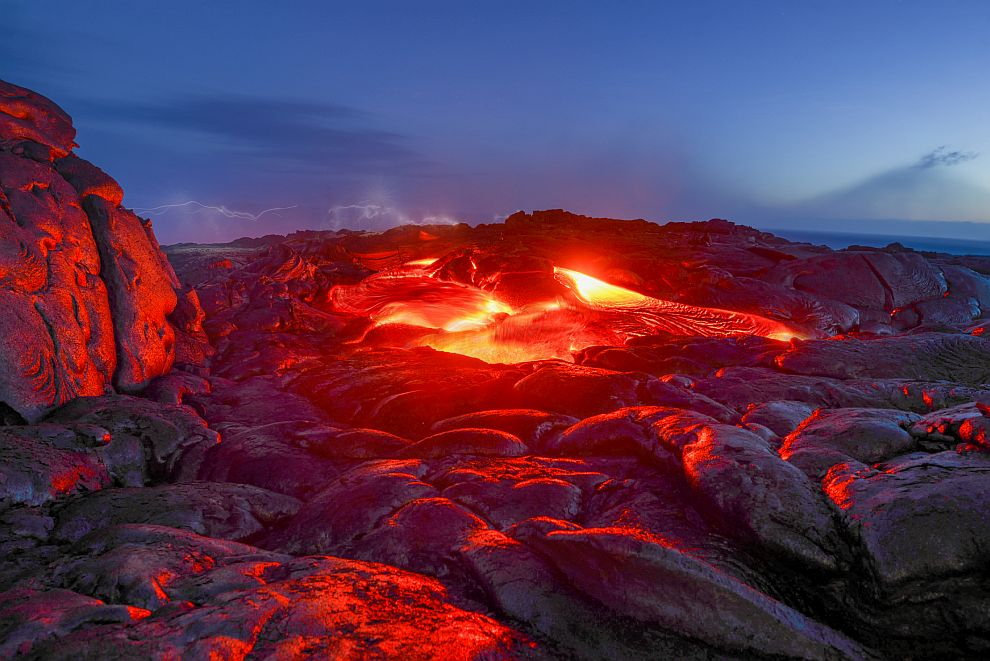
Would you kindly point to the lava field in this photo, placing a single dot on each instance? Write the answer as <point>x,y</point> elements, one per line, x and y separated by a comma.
<point>552,437</point>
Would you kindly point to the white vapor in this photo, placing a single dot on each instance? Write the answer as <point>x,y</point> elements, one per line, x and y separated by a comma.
<point>221,209</point>
<point>376,216</point>
<point>364,211</point>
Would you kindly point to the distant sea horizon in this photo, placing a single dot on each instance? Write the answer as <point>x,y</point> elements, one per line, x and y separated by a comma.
<point>838,240</point>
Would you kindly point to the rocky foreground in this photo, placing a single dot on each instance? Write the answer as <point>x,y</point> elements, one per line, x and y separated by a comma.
<point>219,461</point>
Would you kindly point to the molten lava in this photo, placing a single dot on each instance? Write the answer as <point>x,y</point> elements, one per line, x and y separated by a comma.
<point>597,292</point>
<point>637,315</point>
<point>416,299</point>
<point>469,320</point>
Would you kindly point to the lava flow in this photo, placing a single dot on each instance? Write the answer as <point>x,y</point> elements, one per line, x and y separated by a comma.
<point>585,311</point>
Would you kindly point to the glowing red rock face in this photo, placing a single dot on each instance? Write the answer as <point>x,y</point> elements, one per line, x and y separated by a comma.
<point>564,315</point>
<point>84,287</point>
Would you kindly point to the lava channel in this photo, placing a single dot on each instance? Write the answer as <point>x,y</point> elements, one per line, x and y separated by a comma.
<point>462,318</point>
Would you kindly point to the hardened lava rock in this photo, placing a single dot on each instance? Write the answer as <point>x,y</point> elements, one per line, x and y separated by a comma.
<point>85,290</point>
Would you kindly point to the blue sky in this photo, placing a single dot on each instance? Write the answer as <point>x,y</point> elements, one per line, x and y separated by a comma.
<point>364,114</point>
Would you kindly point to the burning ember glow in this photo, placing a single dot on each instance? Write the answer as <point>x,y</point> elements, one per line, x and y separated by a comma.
<point>466,319</point>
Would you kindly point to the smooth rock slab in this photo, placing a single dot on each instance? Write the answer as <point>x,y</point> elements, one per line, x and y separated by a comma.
<point>833,436</point>
<point>653,504</point>
<point>869,279</point>
<point>781,417</point>
<point>33,472</point>
<point>776,302</point>
<point>759,496</point>
<point>958,358</point>
<point>627,431</point>
<point>585,473</point>
<point>487,442</point>
<point>355,443</point>
<point>920,518</point>
<point>532,426</point>
<point>254,402</point>
<point>214,509</point>
<point>405,391</point>
<point>123,455</point>
<point>267,457</point>
<point>526,587</point>
<point>136,564</point>
<point>967,284</point>
<point>174,438</point>
<point>88,179</point>
<point>29,617</point>
<point>580,391</point>
<point>698,356</point>
<point>644,579</point>
<point>505,503</point>
<point>740,387</point>
<point>350,508</point>
<point>425,536</point>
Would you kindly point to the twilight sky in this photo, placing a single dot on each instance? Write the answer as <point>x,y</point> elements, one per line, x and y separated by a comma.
<point>857,116</point>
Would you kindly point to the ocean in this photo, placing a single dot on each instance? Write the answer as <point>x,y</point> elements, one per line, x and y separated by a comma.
<point>838,240</point>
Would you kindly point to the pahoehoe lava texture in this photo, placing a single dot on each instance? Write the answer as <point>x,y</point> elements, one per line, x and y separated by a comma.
<point>217,461</point>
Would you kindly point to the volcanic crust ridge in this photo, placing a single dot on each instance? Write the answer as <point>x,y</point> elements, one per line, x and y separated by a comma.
<point>747,447</point>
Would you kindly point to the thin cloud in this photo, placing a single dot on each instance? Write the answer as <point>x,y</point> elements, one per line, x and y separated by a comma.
<point>923,190</point>
<point>941,156</point>
<point>285,134</point>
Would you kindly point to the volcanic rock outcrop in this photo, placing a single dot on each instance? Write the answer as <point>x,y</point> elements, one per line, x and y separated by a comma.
<point>84,288</point>
<point>793,463</point>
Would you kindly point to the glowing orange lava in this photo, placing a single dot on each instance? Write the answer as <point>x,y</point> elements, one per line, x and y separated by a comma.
<point>598,292</point>
<point>429,261</point>
<point>471,321</point>
<point>643,315</point>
